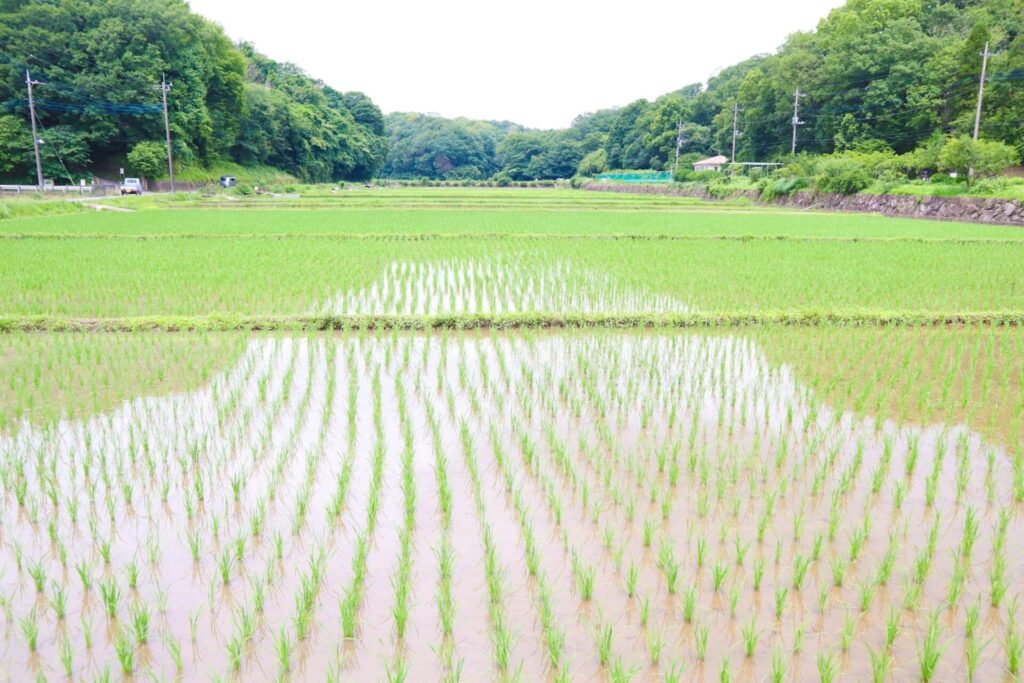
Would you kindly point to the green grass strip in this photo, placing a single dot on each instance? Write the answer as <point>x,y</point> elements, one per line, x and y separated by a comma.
<point>498,236</point>
<point>44,323</point>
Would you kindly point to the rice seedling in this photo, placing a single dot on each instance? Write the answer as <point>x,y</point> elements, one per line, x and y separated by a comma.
<point>604,640</point>
<point>780,601</point>
<point>777,673</point>
<point>750,637</point>
<point>827,667</point>
<point>111,596</point>
<point>700,634</point>
<point>929,649</point>
<point>1014,647</point>
<point>973,651</point>
<point>125,649</point>
<point>881,663</point>
<point>30,629</point>
<point>67,658</point>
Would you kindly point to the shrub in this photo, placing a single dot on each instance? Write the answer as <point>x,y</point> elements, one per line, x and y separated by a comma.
<point>706,176</point>
<point>984,157</point>
<point>148,159</point>
<point>842,175</point>
<point>803,165</point>
<point>721,187</point>
<point>889,179</point>
<point>992,185</point>
<point>593,163</point>
<point>941,178</point>
<point>773,188</point>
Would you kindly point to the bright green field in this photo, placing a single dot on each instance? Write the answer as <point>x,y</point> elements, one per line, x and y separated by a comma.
<point>84,277</point>
<point>268,260</point>
<point>492,212</point>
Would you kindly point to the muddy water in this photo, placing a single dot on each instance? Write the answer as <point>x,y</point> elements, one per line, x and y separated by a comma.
<point>634,458</point>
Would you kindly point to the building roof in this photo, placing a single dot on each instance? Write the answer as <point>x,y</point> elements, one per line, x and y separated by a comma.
<point>713,161</point>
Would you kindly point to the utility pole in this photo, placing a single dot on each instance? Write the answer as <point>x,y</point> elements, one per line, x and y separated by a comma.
<point>679,146</point>
<point>35,136</point>
<point>981,91</point>
<point>735,130</point>
<point>796,118</point>
<point>981,95</point>
<point>164,87</point>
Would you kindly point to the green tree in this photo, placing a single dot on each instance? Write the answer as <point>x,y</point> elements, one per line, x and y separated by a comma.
<point>99,62</point>
<point>625,146</point>
<point>980,157</point>
<point>63,153</point>
<point>148,159</point>
<point>15,146</point>
<point>593,163</point>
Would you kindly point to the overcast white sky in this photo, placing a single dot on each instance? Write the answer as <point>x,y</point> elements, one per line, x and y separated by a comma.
<point>535,62</point>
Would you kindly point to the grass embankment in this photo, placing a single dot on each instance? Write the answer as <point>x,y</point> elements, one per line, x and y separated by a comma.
<point>417,211</point>
<point>249,175</point>
<point>37,206</point>
<point>511,321</point>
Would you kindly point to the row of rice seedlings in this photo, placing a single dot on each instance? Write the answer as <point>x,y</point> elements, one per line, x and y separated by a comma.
<point>501,284</point>
<point>445,555</point>
<point>353,594</point>
<point>502,639</point>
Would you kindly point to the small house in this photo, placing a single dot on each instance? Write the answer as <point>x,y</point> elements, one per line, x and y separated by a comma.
<point>712,164</point>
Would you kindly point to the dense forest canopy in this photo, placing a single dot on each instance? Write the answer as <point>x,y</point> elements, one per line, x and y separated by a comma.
<point>876,75</point>
<point>423,146</point>
<point>99,62</point>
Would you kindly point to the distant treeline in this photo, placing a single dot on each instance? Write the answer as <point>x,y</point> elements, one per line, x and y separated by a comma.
<point>99,63</point>
<point>876,75</point>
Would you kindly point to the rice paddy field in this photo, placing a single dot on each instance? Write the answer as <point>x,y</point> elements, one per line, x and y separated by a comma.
<point>531,435</point>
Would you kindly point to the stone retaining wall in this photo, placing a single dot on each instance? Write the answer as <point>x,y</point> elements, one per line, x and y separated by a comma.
<point>971,209</point>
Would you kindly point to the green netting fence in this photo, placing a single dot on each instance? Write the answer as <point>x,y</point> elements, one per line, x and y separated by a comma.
<point>638,176</point>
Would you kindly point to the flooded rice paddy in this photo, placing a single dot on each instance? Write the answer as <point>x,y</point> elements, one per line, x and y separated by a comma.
<point>501,284</point>
<point>530,506</point>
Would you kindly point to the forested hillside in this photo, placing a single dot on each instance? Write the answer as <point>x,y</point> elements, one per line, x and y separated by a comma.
<point>892,75</point>
<point>99,63</point>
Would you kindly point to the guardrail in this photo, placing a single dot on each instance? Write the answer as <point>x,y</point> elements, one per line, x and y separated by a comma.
<point>55,189</point>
